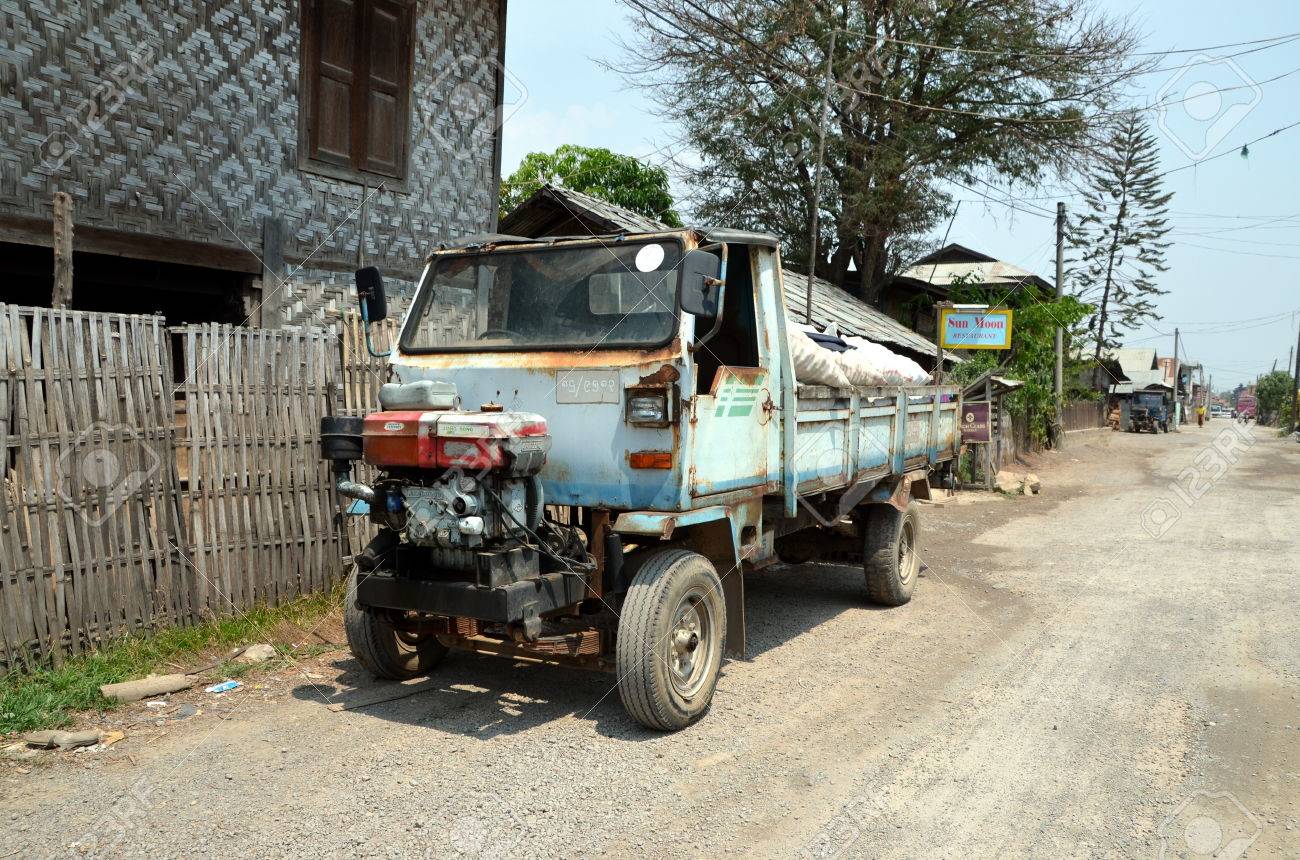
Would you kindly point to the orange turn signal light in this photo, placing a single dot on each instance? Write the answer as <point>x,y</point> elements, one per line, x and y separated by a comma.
<point>651,459</point>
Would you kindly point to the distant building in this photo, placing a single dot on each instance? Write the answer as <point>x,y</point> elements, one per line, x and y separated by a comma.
<point>910,296</point>
<point>1139,367</point>
<point>1190,379</point>
<point>210,149</point>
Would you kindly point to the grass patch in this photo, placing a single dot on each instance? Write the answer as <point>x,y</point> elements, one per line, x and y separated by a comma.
<point>42,698</point>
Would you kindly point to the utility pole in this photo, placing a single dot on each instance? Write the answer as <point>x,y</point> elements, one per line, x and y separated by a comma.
<point>1176,400</point>
<point>1295,393</point>
<point>817,178</point>
<point>1059,379</point>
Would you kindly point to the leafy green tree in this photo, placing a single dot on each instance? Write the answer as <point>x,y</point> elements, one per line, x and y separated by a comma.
<point>924,94</point>
<point>1032,358</point>
<point>1120,241</point>
<point>1273,395</point>
<point>619,179</point>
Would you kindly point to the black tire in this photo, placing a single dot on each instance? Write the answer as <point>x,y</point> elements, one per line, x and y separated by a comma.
<point>670,639</point>
<point>793,556</point>
<point>891,560</point>
<point>383,650</point>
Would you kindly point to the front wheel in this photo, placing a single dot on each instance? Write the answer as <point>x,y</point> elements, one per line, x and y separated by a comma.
<point>891,560</point>
<point>669,648</point>
<point>384,650</point>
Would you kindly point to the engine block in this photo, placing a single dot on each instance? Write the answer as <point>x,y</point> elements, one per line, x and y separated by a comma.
<point>459,513</point>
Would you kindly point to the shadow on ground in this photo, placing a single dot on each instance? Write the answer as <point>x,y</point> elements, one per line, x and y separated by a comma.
<point>482,697</point>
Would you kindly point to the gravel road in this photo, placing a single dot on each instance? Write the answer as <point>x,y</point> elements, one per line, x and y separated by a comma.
<point>1105,670</point>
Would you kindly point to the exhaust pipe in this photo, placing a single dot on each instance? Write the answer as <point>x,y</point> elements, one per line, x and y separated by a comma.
<point>355,490</point>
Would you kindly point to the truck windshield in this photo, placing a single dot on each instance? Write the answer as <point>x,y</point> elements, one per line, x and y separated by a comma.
<point>609,295</point>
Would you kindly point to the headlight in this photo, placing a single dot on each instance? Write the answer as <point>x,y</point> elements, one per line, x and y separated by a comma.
<point>648,409</point>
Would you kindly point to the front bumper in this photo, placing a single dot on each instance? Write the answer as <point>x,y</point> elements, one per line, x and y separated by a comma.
<point>504,603</point>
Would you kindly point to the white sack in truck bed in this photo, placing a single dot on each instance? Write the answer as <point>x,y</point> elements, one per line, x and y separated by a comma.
<point>812,364</point>
<point>865,365</point>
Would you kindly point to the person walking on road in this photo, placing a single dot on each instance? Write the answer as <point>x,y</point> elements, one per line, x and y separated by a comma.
<point>1200,415</point>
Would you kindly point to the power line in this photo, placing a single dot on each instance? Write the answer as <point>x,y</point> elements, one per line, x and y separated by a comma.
<point>1082,117</point>
<point>1057,55</point>
<point>1273,217</point>
<point>1217,238</point>
<point>1272,316</point>
<point>1239,251</point>
<point>1235,148</point>
<point>1009,203</point>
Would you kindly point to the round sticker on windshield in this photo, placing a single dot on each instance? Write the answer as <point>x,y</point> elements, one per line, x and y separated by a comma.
<point>649,258</point>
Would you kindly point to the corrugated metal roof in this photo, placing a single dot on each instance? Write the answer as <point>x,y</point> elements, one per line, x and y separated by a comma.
<point>942,274</point>
<point>613,217</point>
<point>1140,380</point>
<point>1134,359</point>
<point>850,315</point>
<point>940,268</point>
<point>632,221</point>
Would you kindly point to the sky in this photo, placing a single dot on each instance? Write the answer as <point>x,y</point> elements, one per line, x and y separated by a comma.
<point>1234,277</point>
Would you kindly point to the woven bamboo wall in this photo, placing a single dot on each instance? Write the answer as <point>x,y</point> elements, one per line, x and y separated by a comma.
<point>197,138</point>
<point>89,526</point>
<point>140,495</point>
<point>258,499</point>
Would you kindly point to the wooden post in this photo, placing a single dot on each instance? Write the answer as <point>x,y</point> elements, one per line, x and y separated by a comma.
<point>937,376</point>
<point>61,297</point>
<point>273,296</point>
<point>988,449</point>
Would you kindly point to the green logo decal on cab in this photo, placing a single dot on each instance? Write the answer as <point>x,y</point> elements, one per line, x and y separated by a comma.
<point>736,401</point>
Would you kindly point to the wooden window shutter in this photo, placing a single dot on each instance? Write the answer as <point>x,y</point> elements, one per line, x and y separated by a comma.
<point>386,89</point>
<point>335,51</point>
<point>357,66</point>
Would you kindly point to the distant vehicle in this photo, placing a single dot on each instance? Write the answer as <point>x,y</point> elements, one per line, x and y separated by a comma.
<point>1246,406</point>
<point>1149,413</point>
<point>1217,411</point>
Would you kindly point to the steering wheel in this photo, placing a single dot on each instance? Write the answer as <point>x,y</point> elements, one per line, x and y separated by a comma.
<point>497,331</point>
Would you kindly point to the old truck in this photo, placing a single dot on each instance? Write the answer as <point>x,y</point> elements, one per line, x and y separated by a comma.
<point>1150,410</point>
<point>578,462</point>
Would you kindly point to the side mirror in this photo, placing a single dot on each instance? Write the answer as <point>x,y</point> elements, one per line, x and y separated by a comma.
<point>699,288</point>
<point>370,294</point>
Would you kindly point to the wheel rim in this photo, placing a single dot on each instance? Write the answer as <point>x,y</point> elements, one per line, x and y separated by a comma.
<point>409,642</point>
<point>907,558</point>
<point>691,643</point>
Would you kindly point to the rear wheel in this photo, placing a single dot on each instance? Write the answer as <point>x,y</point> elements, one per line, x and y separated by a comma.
<point>891,558</point>
<point>669,648</point>
<point>383,649</point>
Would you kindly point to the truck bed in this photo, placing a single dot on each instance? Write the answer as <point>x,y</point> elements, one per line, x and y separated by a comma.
<point>843,436</point>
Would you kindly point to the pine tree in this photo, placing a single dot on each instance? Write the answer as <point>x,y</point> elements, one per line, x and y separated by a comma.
<point>1120,242</point>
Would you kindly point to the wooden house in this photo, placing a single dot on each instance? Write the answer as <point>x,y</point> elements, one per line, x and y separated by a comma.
<point>911,295</point>
<point>233,161</point>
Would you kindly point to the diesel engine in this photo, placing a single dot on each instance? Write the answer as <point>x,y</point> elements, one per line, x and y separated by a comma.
<point>458,484</point>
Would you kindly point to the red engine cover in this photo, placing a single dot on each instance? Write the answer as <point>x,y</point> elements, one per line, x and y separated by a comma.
<point>465,440</point>
<point>400,439</point>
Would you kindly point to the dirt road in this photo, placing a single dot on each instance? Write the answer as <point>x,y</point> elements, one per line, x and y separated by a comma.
<point>1106,670</point>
